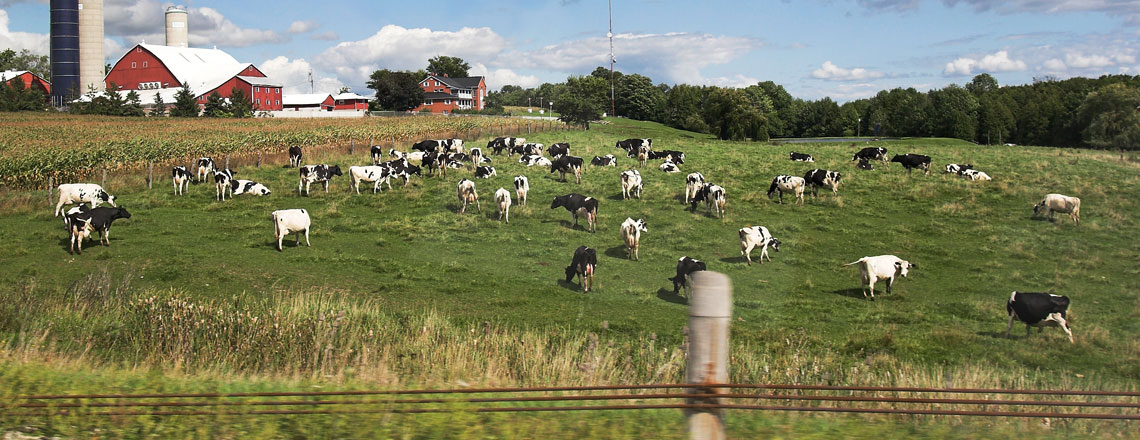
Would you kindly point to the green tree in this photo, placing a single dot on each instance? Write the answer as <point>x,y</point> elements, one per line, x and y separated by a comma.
<point>343,89</point>
<point>26,60</point>
<point>731,115</point>
<point>16,97</point>
<point>240,104</point>
<point>955,113</point>
<point>185,105</point>
<point>132,106</point>
<point>1112,115</point>
<point>982,84</point>
<point>216,106</point>
<point>159,106</point>
<point>398,91</point>
<point>995,121</point>
<point>637,98</point>
<point>453,67</point>
<point>579,103</point>
<point>683,108</point>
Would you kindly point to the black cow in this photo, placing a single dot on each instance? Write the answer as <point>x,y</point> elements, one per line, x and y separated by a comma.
<point>912,161</point>
<point>604,161</point>
<point>485,172</point>
<point>828,179</point>
<point>317,173</point>
<point>559,149</point>
<point>579,204</point>
<point>438,145</point>
<point>864,165</point>
<point>583,264</point>
<point>1038,310</point>
<point>377,153</point>
<point>568,164</point>
<point>295,156</point>
<point>674,156</point>
<point>222,180</point>
<point>497,145</point>
<point>401,168</point>
<point>631,145</point>
<point>101,219</point>
<point>871,153</point>
<point>801,157</point>
<point>685,268</point>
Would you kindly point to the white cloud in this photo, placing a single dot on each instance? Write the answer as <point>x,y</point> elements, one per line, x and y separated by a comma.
<point>737,80</point>
<point>325,36</point>
<point>294,75</point>
<point>300,27</point>
<point>1127,9</point>
<point>399,48</point>
<point>830,71</point>
<point>17,41</point>
<point>1081,61</point>
<point>210,27</point>
<point>498,78</point>
<point>1055,65</point>
<point>144,20</point>
<point>996,62</point>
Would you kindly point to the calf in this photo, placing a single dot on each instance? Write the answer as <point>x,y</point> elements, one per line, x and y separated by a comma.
<point>604,161</point>
<point>81,193</point>
<point>713,196</point>
<point>100,220</point>
<point>559,149</point>
<point>630,184</point>
<point>522,186</point>
<point>181,179</point>
<point>238,187</point>
<point>78,230</point>
<point>685,268</point>
<point>882,267</point>
<point>801,157</point>
<point>954,168</point>
<point>669,167</point>
<point>467,195</point>
<point>631,146</point>
<point>291,221</point>
<point>693,183</point>
<point>584,262</point>
<point>568,164</point>
<point>222,179</point>
<point>485,172</point>
<point>317,173</point>
<point>295,156</point>
<point>871,153</point>
<point>503,199</point>
<point>403,169</point>
<point>377,174</point>
<point>976,175</point>
<point>912,161</point>
<point>642,155</point>
<point>1038,310</point>
<point>788,184</point>
<point>865,165</point>
<point>828,179</point>
<point>377,153</point>
<point>753,236</point>
<point>1059,203</point>
<point>579,204</point>
<point>205,168</point>
<point>631,233</point>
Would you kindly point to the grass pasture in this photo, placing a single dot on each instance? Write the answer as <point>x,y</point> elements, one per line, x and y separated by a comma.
<point>400,290</point>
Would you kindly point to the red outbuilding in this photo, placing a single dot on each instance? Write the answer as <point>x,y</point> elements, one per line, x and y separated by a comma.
<point>351,101</point>
<point>445,95</point>
<point>309,102</point>
<point>31,80</point>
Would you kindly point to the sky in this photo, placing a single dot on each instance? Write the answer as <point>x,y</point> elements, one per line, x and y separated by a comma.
<point>842,49</point>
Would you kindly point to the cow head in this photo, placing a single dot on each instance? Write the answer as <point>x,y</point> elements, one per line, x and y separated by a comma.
<point>898,158</point>
<point>641,225</point>
<point>559,201</point>
<point>774,243</point>
<point>107,198</point>
<point>570,271</point>
<point>902,266</point>
<point>1038,207</point>
<point>264,191</point>
<point>122,213</point>
<point>413,170</point>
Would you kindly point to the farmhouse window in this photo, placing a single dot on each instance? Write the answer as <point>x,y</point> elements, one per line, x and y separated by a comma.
<point>256,89</point>
<point>447,102</point>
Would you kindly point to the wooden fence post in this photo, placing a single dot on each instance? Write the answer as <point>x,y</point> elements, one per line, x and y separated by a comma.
<point>227,161</point>
<point>103,183</point>
<point>259,159</point>
<point>710,314</point>
<point>149,175</point>
<point>351,146</point>
<point>51,187</point>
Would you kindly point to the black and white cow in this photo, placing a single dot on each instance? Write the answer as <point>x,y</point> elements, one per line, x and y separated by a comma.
<point>788,184</point>
<point>205,167</point>
<point>78,229</point>
<point>533,149</point>
<point>693,183</point>
<point>604,161</point>
<point>465,190</point>
<point>685,268</point>
<point>631,146</point>
<point>317,173</point>
<point>669,167</point>
<point>401,168</point>
<point>957,168</point>
<point>912,161</point>
<point>713,196</point>
<point>674,156</point>
<point>631,233</point>
<point>522,186</point>
<point>181,179</point>
<point>485,172</point>
<point>801,157</point>
<point>222,179</point>
<point>377,153</point>
<point>238,187</point>
<point>439,145</point>
<point>871,153</point>
<point>376,174</point>
<point>823,178</point>
<point>497,145</point>
<point>881,267</point>
<point>459,157</point>
<point>558,149</point>
<point>583,265</point>
<point>579,204</point>
<point>865,165</point>
<point>630,184</point>
<point>477,157</point>
<point>82,193</point>
<point>757,236</point>
<point>568,164</point>
<point>535,160</point>
<point>1038,310</point>
<point>295,155</point>
<point>100,219</point>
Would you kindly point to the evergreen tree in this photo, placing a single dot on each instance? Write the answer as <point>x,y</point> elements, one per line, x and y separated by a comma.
<point>216,106</point>
<point>240,104</point>
<point>159,106</point>
<point>133,105</point>
<point>185,106</point>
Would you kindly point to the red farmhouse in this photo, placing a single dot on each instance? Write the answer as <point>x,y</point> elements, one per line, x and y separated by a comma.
<point>445,95</point>
<point>31,80</point>
<point>150,69</point>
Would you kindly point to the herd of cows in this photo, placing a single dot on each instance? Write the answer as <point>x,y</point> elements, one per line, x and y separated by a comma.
<point>438,156</point>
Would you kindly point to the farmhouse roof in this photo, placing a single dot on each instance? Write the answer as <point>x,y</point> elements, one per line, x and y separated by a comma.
<point>350,95</point>
<point>469,82</point>
<point>439,95</point>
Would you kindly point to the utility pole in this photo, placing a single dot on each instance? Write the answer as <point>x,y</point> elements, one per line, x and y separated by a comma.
<point>610,34</point>
<point>311,81</point>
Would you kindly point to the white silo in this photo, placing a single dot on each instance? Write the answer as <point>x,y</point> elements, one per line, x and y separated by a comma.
<point>177,32</point>
<point>92,67</point>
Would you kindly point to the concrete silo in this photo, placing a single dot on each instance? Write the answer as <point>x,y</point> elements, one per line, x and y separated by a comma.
<point>91,60</point>
<point>64,16</point>
<point>177,31</point>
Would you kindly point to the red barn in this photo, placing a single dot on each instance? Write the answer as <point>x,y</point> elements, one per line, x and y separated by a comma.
<point>150,69</point>
<point>309,102</point>
<point>445,95</point>
<point>31,80</point>
<point>350,101</point>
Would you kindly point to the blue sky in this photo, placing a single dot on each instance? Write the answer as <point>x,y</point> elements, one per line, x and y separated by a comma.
<point>845,49</point>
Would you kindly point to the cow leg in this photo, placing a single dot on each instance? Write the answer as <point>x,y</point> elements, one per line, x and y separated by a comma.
<point>746,252</point>
<point>326,186</point>
<point>1027,327</point>
<point>764,253</point>
<point>478,207</point>
<point>1065,326</point>
<point>507,214</point>
<point>890,282</point>
<point>1009,327</point>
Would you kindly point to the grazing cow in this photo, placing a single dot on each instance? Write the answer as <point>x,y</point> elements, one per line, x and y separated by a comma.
<point>317,173</point>
<point>632,146</point>
<point>485,172</point>
<point>402,169</point>
<point>604,161</point>
<point>439,145</point>
<point>955,168</point>
<point>78,230</point>
<point>467,195</point>
<point>477,156</point>
<point>828,179</point>
<point>584,262</point>
<point>631,233</point>
<point>630,184</point>
<point>642,155</point>
<point>558,149</point>
<point>713,196</point>
<point>579,204</point>
<point>497,145</point>
<point>753,236</point>
<point>295,156</point>
<point>205,168</point>
<point>568,164</point>
<point>100,219</point>
<point>882,267</point>
<point>181,179</point>
<point>788,184</point>
<point>674,156</point>
<point>503,199</point>
<point>522,186</point>
<point>1038,310</point>
<point>238,187</point>
<point>976,175</point>
<point>871,153</point>
<point>912,161</point>
<point>693,183</point>
<point>291,221</point>
<point>222,180</point>
<point>865,165</point>
<point>82,193</point>
<point>801,157</point>
<point>669,167</point>
<point>377,153</point>
<point>685,268</point>
<point>377,174</point>
<point>1059,203</point>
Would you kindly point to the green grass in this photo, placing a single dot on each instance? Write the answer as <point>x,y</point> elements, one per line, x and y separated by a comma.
<point>396,260</point>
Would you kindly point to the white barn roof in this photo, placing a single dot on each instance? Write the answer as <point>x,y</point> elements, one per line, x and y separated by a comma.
<point>203,69</point>
<point>350,95</point>
<point>10,74</point>
<point>305,99</point>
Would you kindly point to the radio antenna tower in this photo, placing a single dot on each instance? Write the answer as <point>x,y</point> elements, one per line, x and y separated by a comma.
<point>610,34</point>
<point>311,81</point>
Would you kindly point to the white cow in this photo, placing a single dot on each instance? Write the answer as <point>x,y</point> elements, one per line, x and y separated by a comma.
<point>886,267</point>
<point>503,199</point>
<point>630,184</point>
<point>377,174</point>
<point>753,236</point>
<point>788,184</point>
<point>290,221</point>
<point>693,183</point>
<point>467,195</point>
<point>1059,203</point>
<point>631,233</point>
<point>82,193</point>
<point>669,167</point>
<point>248,187</point>
<point>522,186</point>
<point>975,175</point>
